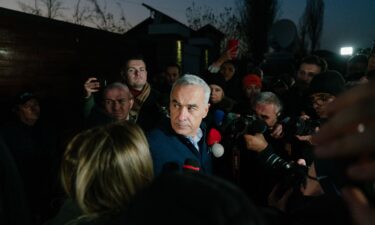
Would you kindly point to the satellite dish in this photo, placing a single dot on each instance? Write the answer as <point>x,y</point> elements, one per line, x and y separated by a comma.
<point>283,34</point>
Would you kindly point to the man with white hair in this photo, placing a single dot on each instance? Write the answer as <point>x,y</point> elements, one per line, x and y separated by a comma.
<point>183,136</point>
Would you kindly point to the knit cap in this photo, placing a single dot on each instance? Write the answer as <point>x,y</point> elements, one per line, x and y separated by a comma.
<point>331,82</point>
<point>216,79</point>
<point>251,79</point>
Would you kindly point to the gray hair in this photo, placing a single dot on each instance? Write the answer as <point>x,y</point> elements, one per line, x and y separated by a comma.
<point>268,98</point>
<point>118,85</point>
<point>191,79</point>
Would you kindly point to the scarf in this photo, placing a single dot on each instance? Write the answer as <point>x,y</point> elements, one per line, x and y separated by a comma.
<point>138,102</point>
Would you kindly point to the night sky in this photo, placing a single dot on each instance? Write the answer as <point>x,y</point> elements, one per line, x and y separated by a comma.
<point>346,22</point>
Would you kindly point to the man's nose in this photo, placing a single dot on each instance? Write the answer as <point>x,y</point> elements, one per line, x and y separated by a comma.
<point>182,114</point>
<point>116,105</point>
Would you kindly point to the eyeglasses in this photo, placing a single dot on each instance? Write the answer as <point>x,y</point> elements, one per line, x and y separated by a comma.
<point>320,98</point>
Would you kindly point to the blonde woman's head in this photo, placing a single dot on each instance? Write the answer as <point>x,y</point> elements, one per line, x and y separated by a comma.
<point>105,166</point>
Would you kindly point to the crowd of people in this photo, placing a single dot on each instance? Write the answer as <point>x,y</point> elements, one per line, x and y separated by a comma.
<point>300,154</point>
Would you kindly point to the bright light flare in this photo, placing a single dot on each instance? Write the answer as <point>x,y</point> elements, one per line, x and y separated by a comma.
<point>346,51</point>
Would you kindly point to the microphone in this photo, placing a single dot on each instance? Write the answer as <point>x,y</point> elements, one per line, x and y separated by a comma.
<point>190,165</point>
<point>213,139</point>
<point>219,116</point>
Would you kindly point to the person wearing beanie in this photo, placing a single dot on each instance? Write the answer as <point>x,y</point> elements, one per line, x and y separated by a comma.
<point>330,82</point>
<point>251,87</point>
<point>217,85</point>
<point>33,139</point>
<point>218,100</point>
<point>324,88</point>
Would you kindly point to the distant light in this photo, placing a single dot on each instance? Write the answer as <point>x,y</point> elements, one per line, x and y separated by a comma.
<point>346,51</point>
<point>179,52</point>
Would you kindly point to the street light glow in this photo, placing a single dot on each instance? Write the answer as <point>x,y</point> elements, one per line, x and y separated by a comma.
<point>346,51</point>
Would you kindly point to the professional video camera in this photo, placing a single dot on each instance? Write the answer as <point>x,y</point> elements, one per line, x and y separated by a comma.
<point>299,126</point>
<point>244,124</point>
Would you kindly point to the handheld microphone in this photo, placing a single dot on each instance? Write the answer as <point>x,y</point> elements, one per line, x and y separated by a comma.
<point>219,116</point>
<point>213,139</point>
<point>190,165</point>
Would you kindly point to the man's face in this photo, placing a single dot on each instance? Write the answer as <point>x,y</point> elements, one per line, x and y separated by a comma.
<point>29,111</point>
<point>268,112</point>
<point>172,73</point>
<point>187,109</point>
<point>251,91</point>
<point>306,73</point>
<point>227,70</point>
<point>136,74</point>
<point>117,103</point>
<point>319,102</point>
<point>217,93</point>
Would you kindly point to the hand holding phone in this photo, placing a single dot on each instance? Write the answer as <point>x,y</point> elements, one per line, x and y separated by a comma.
<point>91,85</point>
<point>232,46</point>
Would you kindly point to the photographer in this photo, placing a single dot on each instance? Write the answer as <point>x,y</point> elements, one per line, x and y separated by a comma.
<point>318,197</point>
<point>267,107</point>
<point>323,90</point>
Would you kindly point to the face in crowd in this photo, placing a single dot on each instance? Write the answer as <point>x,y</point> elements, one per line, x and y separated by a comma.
<point>118,102</point>
<point>29,112</point>
<point>227,70</point>
<point>251,91</point>
<point>187,109</point>
<point>217,93</point>
<point>319,102</point>
<point>172,73</point>
<point>136,74</point>
<point>305,74</point>
<point>268,112</point>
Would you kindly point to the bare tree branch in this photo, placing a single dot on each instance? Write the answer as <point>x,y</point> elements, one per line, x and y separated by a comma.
<point>81,13</point>
<point>311,23</point>
<point>52,8</point>
<point>105,20</point>
<point>257,17</point>
<point>30,8</point>
<point>225,21</point>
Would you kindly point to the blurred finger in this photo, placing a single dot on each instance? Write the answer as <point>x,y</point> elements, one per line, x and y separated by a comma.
<point>348,145</point>
<point>361,211</point>
<point>346,121</point>
<point>362,171</point>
